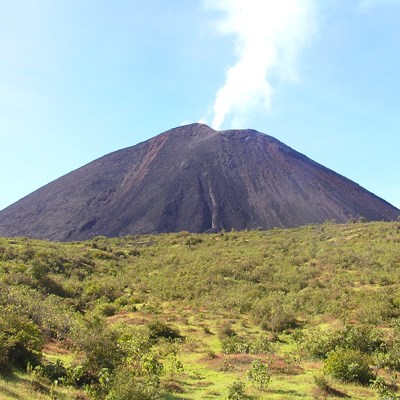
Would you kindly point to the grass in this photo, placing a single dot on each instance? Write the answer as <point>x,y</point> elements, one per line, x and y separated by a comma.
<point>21,386</point>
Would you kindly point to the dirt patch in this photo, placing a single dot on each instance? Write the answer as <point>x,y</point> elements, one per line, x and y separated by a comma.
<point>54,348</point>
<point>130,318</point>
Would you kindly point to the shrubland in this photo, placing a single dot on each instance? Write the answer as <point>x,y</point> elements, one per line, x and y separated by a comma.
<point>310,312</point>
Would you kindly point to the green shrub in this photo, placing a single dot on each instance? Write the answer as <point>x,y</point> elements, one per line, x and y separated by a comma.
<point>99,344</point>
<point>275,312</point>
<point>49,313</point>
<point>20,340</point>
<point>128,385</point>
<point>236,391</point>
<point>137,376</point>
<point>391,358</point>
<point>226,331</point>
<point>106,309</point>
<point>349,366</point>
<point>260,345</point>
<point>235,345</point>
<point>160,329</point>
<point>51,371</point>
<point>239,345</point>
<point>365,339</point>
<point>259,375</point>
<point>192,241</point>
<point>385,391</point>
<point>134,341</point>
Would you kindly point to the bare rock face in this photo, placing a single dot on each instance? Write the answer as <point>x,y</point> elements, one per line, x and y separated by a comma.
<point>196,179</point>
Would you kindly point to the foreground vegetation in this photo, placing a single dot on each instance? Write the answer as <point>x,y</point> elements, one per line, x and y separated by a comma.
<point>311,313</point>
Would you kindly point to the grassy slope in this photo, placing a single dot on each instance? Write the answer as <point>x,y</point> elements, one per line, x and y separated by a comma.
<point>261,282</point>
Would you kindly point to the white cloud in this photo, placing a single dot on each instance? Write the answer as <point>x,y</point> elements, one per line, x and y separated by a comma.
<point>268,36</point>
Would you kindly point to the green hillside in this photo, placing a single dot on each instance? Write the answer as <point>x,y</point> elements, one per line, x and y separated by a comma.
<point>305,313</point>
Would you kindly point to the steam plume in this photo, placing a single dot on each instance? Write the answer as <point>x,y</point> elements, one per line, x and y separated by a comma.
<point>269,35</point>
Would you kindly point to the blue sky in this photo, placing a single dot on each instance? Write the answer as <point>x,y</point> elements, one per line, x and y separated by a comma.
<point>79,79</point>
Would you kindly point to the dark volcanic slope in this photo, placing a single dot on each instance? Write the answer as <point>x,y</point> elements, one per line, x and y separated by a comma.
<point>196,179</point>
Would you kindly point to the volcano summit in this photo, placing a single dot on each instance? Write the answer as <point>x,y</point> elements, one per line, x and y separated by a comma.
<point>196,179</point>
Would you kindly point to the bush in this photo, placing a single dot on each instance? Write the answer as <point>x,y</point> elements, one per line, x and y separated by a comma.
<point>365,339</point>
<point>49,313</point>
<point>259,375</point>
<point>316,343</point>
<point>127,385</point>
<point>226,331</point>
<point>236,391</point>
<point>349,366</point>
<point>20,341</point>
<point>235,345</point>
<point>51,371</point>
<point>392,357</point>
<point>384,390</point>
<point>275,312</point>
<point>239,345</point>
<point>106,309</point>
<point>192,241</point>
<point>260,345</point>
<point>160,329</point>
<point>100,346</point>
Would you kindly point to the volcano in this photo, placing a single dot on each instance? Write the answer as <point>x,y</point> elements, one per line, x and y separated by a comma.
<point>191,178</point>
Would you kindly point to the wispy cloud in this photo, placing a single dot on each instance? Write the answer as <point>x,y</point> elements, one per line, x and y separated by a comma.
<point>268,37</point>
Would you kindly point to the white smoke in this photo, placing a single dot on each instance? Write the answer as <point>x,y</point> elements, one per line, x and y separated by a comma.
<point>269,35</point>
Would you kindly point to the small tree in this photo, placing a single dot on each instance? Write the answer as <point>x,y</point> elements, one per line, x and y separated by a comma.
<point>236,391</point>
<point>259,375</point>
